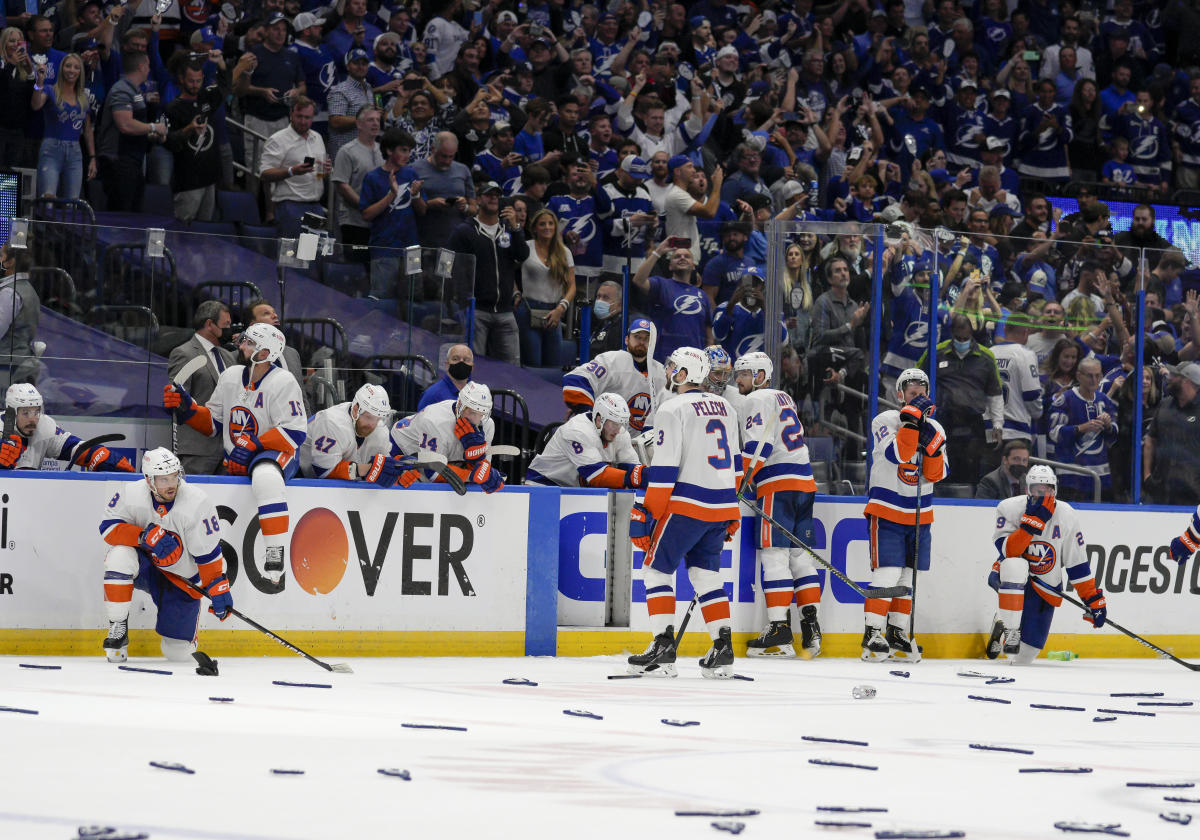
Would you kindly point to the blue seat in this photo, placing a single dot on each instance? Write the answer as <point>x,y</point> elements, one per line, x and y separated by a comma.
<point>238,206</point>
<point>158,200</point>
<point>262,239</point>
<point>225,230</point>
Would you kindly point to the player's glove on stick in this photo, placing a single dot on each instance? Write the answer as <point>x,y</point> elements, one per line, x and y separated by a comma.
<point>103,459</point>
<point>641,527</point>
<point>222,601</point>
<point>636,478</point>
<point>473,442</point>
<point>179,401</point>
<point>1098,607</point>
<point>994,577</point>
<point>489,479</point>
<point>163,546</point>
<point>1038,510</point>
<point>731,529</point>
<point>383,471</point>
<point>11,450</point>
<point>245,447</point>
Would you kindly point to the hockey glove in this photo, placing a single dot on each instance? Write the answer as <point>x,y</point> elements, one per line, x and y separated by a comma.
<point>179,401</point>
<point>103,459</point>
<point>489,479</point>
<point>922,404</point>
<point>162,545</point>
<point>1184,546</point>
<point>641,527</point>
<point>245,447</point>
<point>11,451</point>
<point>1038,510</point>
<point>636,478</point>
<point>383,471</point>
<point>731,529</point>
<point>409,478</point>
<point>222,601</point>
<point>1098,607</point>
<point>911,417</point>
<point>930,439</point>
<point>473,442</point>
<point>994,577</point>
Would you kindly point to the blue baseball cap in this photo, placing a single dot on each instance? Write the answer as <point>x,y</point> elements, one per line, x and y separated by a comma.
<point>696,21</point>
<point>941,176</point>
<point>640,325</point>
<point>635,167</point>
<point>676,162</point>
<point>1003,209</point>
<point>357,54</point>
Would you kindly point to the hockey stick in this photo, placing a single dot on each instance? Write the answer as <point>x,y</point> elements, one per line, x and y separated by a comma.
<point>437,462</point>
<point>912,611</point>
<point>86,445</point>
<point>185,373</point>
<point>504,449</point>
<point>1190,666</point>
<point>336,667</point>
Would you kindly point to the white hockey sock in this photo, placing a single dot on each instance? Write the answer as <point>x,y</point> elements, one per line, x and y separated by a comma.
<point>660,599</point>
<point>714,603</point>
<point>266,481</point>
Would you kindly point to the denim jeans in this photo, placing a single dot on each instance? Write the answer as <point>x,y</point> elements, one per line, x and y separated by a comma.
<point>496,336</point>
<point>540,347</point>
<point>60,168</point>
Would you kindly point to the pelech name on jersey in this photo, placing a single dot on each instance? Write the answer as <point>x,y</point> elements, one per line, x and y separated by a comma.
<point>710,409</point>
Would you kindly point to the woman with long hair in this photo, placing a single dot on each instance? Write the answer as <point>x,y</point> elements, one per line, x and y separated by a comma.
<point>16,85</point>
<point>1058,375</point>
<point>978,305</point>
<point>1087,154</point>
<point>66,105</point>
<point>547,289</point>
<point>798,292</point>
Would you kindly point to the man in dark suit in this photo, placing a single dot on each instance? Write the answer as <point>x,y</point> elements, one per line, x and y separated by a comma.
<point>202,455</point>
<point>1008,479</point>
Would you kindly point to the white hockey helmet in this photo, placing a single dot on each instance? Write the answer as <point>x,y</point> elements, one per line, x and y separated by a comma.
<point>475,396</point>
<point>694,364</point>
<point>1041,474</point>
<point>160,461</point>
<point>373,400</point>
<point>264,337</point>
<point>22,395</point>
<point>610,406</point>
<point>754,362</point>
<point>911,375</point>
<point>721,368</point>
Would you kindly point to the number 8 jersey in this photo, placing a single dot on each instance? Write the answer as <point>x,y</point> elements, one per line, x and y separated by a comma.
<point>696,467</point>
<point>785,464</point>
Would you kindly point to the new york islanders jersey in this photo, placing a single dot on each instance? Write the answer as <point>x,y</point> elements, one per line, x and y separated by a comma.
<point>48,441</point>
<point>696,467</point>
<point>616,371</point>
<point>271,409</point>
<point>1018,366</point>
<point>191,515</point>
<point>1059,546</point>
<point>892,494</point>
<point>785,464</point>
<point>577,457</point>
<point>332,444</point>
<point>432,429</point>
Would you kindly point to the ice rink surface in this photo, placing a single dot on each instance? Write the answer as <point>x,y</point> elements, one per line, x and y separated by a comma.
<point>524,769</point>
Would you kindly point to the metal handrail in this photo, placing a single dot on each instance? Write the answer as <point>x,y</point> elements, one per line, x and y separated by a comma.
<point>1073,468</point>
<point>242,127</point>
<point>884,401</point>
<point>842,431</point>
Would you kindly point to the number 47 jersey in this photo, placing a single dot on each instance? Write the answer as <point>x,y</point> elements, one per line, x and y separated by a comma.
<point>785,464</point>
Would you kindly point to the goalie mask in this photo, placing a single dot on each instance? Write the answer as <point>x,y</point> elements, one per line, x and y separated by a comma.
<point>163,473</point>
<point>721,368</point>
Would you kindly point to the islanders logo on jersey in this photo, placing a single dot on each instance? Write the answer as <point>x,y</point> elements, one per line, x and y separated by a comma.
<point>639,407</point>
<point>242,420</point>
<point>1041,557</point>
<point>908,474</point>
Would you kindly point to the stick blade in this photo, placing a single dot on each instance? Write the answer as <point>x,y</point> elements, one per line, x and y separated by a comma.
<point>341,668</point>
<point>887,592</point>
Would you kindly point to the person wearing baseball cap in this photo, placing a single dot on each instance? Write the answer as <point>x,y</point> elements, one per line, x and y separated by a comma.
<point>347,98</point>
<point>629,373</point>
<point>268,90</point>
<point>682,210</point>
<point>318,62</point>
<point>1172,445</point>
<point>633,216</point>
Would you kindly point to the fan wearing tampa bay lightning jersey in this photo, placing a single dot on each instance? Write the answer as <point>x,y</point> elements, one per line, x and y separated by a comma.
<point>579,212</point>
<point>629,373</point>
<point>1149,143</point>
<point>964,126</point>
<point>1083,426</point>
<point>1186,125</point>
<point>497,160</point>
<point>1045,133</point>
<point>909,277</point>
<point>628,227</point>
<point>1019,379</point>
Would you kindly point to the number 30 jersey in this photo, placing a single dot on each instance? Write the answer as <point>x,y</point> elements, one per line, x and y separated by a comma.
<point>785,464</point>
<point>696,467</point>
<point>616,371</point>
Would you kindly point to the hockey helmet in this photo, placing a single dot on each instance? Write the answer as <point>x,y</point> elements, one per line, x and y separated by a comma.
<point>373,399</point>
<point>22,395</point>
<point>721,368</point>
<point>475,396</point>
<point>610,406</point>
<point>159,466</point>
<point>910,376</point>
<point>1040,474</point>
<point>754,362</point>
<point>694,364</point>
<point>264,337</point>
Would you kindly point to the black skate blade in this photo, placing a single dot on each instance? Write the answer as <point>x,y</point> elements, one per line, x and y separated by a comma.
<point>625,676</point>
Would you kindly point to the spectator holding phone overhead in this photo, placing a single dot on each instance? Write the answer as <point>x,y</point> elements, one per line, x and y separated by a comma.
<point>192,141</point>
<point>682,210</point>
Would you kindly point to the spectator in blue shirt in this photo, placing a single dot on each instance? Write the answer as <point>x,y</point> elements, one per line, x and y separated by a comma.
<point>390,200</point>
<point>460,361</point>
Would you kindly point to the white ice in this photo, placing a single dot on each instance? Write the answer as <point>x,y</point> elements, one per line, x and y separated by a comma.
<point>524,769</point>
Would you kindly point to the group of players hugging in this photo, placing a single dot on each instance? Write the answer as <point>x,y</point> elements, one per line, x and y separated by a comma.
<point>707,433</point>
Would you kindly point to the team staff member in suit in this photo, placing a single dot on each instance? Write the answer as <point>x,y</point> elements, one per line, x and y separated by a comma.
<point>199,454</point>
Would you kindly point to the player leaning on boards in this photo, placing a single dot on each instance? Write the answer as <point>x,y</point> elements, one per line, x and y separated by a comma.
<point>691,510</point>
<point>909,458</point>
<point>591,450</point>
<point>31,436</point>
<point>1037,537</point>
<point>258,411</point>
<point>350,441</point>
<point>631,374</point>
<point>161,531</point>
<point>460,430</point>
<point>1187,543</point>
<point>783,483</point>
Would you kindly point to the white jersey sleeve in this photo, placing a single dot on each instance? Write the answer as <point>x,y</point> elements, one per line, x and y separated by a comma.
<point>784,463</point>
<point>617,372</point>
<point>432,429</point>
<point>49,441</point>
<point>271,409</point>
<point>1059,546</point>
<point>191,516</point>
<point>332,444</point>
<point>575,457</point>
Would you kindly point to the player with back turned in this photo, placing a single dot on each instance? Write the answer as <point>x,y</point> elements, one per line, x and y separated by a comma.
<point>690,511</point>
<point>909,456</point>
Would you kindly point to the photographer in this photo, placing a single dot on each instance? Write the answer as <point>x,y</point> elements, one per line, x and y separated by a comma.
<point>192,141</point>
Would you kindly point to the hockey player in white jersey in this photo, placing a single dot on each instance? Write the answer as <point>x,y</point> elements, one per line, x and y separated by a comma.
<point>162,531</point>
<point>720,376</point>
<point>909,456</point>
<point>690,511</point>
<point>1187,543</point>
<point>784,485</point>
<point>591,450</point>
<point>631,373</point>
<point>30,436</point>
<point>258,411</point>
<point>1018,366</point>
<point>1037,537</point>
<point>350,441</point>
<point>460,430</point>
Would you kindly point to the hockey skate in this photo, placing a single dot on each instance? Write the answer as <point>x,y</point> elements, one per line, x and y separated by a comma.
<point>874,647</point>
<point>901,646</point>
<point>659,658</point>
<point>776,640</point>
<point>995,642</point>
<point>273,567</point>
<point>810,632</point>
<point>717,664</point>
<point>116,645</point>
<point>1012,642</point>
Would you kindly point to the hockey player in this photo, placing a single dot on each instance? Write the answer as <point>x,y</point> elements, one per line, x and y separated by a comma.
<point>1037,537</point>
<point>591,450</point>
<point>30,436</point>
<point>909,458</point>
<point>690,511</point>
<point>784,486</point>
<point>258,411</point>
<point>162,531</point>
<point>628,373</point>
<point>1187,543</point>
<point>350,441</point>
<point>461,430</point>
<point>720,376</point>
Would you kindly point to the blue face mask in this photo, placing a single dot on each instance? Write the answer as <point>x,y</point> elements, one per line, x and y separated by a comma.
<point>962,346</point>
<point>602,308</point>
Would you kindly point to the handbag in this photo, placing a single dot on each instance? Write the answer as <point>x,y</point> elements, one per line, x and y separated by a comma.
<point>537,318</point>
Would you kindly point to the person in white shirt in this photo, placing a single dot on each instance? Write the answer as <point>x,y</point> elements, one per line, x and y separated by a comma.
<point>294,162</point>
<point>682,209</point>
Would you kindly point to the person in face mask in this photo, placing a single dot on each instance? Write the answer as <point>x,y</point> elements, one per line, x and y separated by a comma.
<point>202,455</point>
<point>460,361</point>
<point>739,323</point>
<point>1008,479</point>
<point>606,319</point>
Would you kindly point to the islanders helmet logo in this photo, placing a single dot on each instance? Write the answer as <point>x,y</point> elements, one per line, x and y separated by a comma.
<point>1041,557</point>
<point>242,420</point>
<point>639,407</point>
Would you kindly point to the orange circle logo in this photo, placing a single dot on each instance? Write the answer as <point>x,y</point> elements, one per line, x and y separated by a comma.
<point>320,551</point>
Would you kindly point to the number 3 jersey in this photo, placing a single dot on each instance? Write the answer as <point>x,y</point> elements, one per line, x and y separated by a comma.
<point>893,491</point>
<point>696,466</point>
<point>333,444</point>
<point>785,464</point>
<point>191,515</point>
<point>1059,546</point>
<point>271,409</point>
